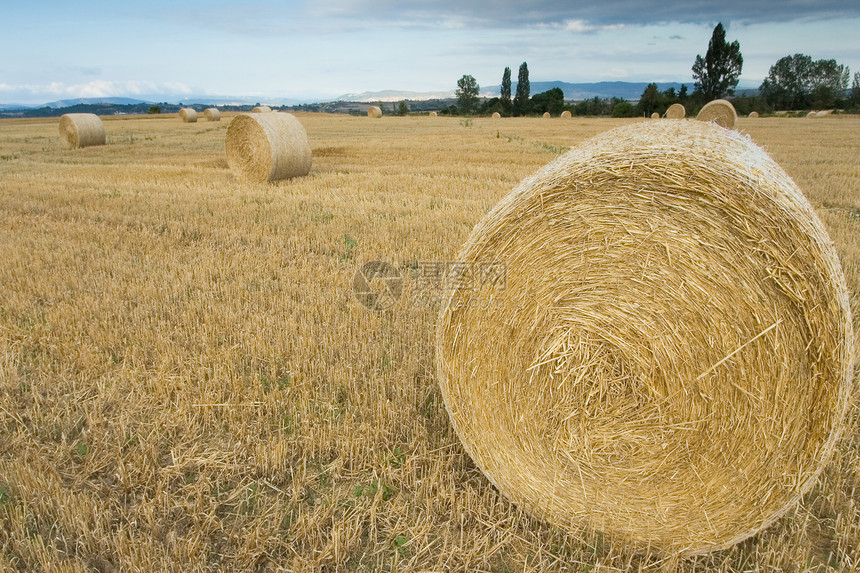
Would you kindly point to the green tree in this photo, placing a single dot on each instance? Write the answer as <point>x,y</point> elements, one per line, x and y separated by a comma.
<point>682,93</point>
<point>855,91</point>
<point>716,75</point>
<point>467,94</point>
<point>649,100</point>
<point>624,109</point>
<point>521,99</point>
<point>551,100</point>
<point>154,109</point>
<point>505,95</point>
<point>402,108</point>
<point>798,82</point>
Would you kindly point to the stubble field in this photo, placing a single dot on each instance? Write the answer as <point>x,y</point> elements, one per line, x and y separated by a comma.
<point>188,383</point>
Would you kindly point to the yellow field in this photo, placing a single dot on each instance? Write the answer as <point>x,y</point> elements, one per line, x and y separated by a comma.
<point>188,383</point>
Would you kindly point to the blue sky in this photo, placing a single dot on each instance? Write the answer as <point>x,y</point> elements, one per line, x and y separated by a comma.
<point>319,50</point>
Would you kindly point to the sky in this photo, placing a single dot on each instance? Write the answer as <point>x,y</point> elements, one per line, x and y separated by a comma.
<point>315,51</point>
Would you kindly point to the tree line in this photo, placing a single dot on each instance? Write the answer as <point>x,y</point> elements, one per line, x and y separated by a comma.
<point>794,82</point>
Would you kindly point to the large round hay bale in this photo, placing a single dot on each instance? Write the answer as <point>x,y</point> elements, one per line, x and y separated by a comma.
<point>753,115</point>
<point>433,114</point>
<point>546,114</point>
<point>374,111</point>
<point>212,114</point>
<point>719,111</point>
<point>81,130</point>
<point>262,109</point>
<point>655,115</point>
<point>267,147</point>
<point>676,111</point>
<point>496,115</point>
<point>565,114</point>
<point>188,115</point>
<point>824,113</point>
<point>812,114</point>
<point>654,341</point>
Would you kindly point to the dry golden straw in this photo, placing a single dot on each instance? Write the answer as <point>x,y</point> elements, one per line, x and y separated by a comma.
<point>655,115</point>
<point>546,114</point>
<point>565,114</point>
<point>262,109</point>
<point>267,147</point>
<point>824,113</point>
<point>374,111</point>
<point>81,130</point>
<point>433,114</point>
<point>496,115</point>
<point>665,355</point>
<point>753,114</point>
<point>212,114</point>
<point>719,111</point>
<point>676,111</point>
<point>188,115</point>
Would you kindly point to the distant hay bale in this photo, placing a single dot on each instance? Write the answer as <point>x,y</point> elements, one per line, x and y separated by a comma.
<point>81,130</point>
<point>565,114</point>
<point>496,115</point>
<point>188,115</point>
<point>719,111</point>
<point>654,341</point>
<point>374,111</point>
<point>655,115</point>
<point>753,114</point>
<point>267,147</point>
<point>212,114</point>
<point>433,114</point>
<point>812,114</point>
<point>824,113</point>
<point>546,114</point>
<point>262,109</point>
<point>676,111</point>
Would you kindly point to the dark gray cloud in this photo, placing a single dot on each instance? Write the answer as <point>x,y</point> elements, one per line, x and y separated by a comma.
<point>602,13</point>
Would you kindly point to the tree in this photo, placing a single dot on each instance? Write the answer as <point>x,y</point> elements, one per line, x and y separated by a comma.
<point>649,100</point>
<point>551,100</point>
<point>716,75</point>
<point>855,91</point>
<point>798,82</point>
<point>682,93</point>
<point>154,109</point>
<point>521,100</point>
<point>505,95</point>
<point>467,94</point>
<point>402,108</point>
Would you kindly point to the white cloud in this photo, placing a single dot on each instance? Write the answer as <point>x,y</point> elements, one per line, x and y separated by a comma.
<point>94,89</point>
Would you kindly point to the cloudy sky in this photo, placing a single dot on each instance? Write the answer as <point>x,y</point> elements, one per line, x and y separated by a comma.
<point>318,50</point>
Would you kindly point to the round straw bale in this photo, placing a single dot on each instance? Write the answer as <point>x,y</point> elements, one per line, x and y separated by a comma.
<point>546,114</point>
<point>656,340</point>
<point>212,114</point>
<point>676,111</point>
<point>812,114</point>
<point>267,147</point>
<point>262,109</point>
<point>81,130</point>
<point>565,114</point>
<point>719,111</point>
<point>496,115</point>
<point>753,114</point>
<point>374,111</point>
<point>655,115</point>
<point>433,114</point>
<point>824,113</point>
<point>188,115</point>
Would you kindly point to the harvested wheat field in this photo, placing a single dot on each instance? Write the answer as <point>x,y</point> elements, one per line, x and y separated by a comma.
<point>188,381</point>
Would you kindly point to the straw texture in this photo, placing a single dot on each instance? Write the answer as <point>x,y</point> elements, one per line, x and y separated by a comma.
<point>719,111</point>
<point>81,130</point>
<point>262,109</point>
<point>565,114</point>
<point>267,147</point>
<point>433,114</point>
<point>655,115</point>
<point>546,114</point>
<point>374,111</point>
<point>212,114</point>
<point>188,115</point>
<point>753,114</point>
<point>496,115</point>
<point>668,357</point>
<point>676,111</point>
